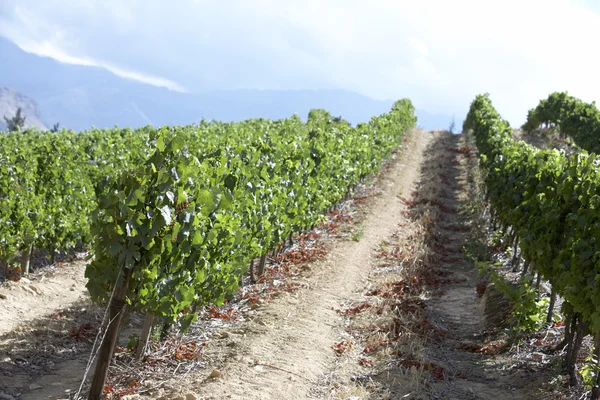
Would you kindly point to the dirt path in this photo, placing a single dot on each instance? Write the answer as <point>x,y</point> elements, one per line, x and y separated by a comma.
<point>292,339</point>
<point>41,294</point>
<point>459,311</point>
<point>472,368</point>
<point>41,352</point>
<point>420,330</point>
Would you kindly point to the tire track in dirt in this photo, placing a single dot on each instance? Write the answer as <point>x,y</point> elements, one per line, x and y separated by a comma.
<point>469,373</point>
<point>292,339</point>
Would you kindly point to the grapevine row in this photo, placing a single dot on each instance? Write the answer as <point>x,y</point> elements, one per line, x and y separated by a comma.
<point>178,231</point>
<point>50,182</point>
<point>573,117</point>
<point>187,222</point>
<point>552,203</point>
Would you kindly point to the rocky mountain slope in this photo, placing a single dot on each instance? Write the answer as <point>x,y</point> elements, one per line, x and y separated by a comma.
<point>11,100</point>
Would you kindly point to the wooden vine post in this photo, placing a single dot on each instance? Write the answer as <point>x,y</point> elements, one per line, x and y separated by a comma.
<point>26,259</point>
<point>116,310</point>
<point>146,330</point>
<point>261,264</point>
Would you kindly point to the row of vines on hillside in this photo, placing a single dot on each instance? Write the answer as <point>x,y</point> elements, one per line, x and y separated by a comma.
<point>573,117</point>
<point>552,203</point>
<point>50,182</point>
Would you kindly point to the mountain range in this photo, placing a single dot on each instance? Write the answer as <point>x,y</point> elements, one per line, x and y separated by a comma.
<point>80,97</point>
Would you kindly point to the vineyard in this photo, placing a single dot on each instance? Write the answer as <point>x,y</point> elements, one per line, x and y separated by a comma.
<point>310,259</point>
<point>175,215</point>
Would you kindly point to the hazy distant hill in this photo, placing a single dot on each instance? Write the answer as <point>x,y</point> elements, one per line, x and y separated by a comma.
<point>10,100</point>
<point>79,97</point>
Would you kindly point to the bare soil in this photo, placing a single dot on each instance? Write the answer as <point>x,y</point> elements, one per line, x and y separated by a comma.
<point>546,139</point>
<point>40,294</point>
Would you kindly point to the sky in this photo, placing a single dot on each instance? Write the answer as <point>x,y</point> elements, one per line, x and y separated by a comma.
<point>438,53</point>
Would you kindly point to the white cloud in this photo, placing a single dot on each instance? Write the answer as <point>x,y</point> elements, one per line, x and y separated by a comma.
<point>439,53</point>
<point>48,49</point>
<point>418,46</point>
<point>32,41</point>
<point>426,71</point>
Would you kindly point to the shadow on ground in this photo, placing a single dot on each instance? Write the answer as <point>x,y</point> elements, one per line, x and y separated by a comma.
<point>34,357</point>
